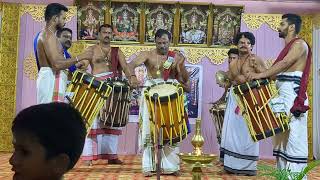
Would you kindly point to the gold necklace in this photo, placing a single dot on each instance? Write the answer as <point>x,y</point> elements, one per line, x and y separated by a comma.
<point>158,71</point>
<point>158,65</point>
<point>106,56</point>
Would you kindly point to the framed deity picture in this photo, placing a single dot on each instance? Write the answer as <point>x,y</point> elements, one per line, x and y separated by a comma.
<point>90,17</point>
<point>226,24</point>
<point>125,20</point>
<point>158,16</point>
<point>193,24</point>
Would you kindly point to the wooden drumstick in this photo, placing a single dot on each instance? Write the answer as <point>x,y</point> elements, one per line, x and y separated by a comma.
<point>267,102</point>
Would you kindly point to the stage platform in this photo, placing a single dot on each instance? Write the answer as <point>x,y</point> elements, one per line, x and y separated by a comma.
<point>131,170</point>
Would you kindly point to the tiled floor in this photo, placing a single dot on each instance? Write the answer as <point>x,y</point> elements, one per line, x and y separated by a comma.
<point>131,169</point>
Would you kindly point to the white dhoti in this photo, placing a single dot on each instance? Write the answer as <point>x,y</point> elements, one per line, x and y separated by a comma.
<point>241,153</point>
<point>221,158</point>
<point>102,141</point>
<point>169,154</point>
<point>291,147</point>
<point>51,86</point>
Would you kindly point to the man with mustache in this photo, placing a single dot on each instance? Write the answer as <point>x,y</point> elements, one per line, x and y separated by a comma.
<point>291,70</point>
<point>248,62</point>
<point>241,153</point>
<point>52,80</point>
<point>107,62</point>
<point>65,37</point>
<point>162,65</point>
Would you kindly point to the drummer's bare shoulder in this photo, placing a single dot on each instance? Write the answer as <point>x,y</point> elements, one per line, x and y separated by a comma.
<point>94,48</point>
<point>296,56</point>
<point>298,49</point>
<point>295,60</point>
<point>179,57</point>
<point>259,64</point>
<point>49,42</point>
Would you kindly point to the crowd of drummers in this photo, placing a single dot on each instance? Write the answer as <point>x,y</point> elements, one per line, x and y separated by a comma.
<point>259,102</point>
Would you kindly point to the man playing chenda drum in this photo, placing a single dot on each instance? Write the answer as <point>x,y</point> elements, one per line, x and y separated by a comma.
<point>107,62</point>
<point>240,151</point>
<point>52,80</point>
<point>291,69</point>
<point>158,70</point>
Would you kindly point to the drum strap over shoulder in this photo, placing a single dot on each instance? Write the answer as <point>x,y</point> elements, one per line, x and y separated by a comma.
<point>167,65</point>
<point>35,44</point>
<point>115,65</point>
<point>298,106</point>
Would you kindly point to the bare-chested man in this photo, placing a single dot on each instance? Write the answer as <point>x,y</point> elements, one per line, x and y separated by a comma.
<point>65,37</point>
<point>240,152</point>
<point>102,142</point>
<point>233,55</point>
<point>157,61</point>
<point>248,62</point>
<point>154,61</point>
<point>291,70</point>
<point>52,80</point>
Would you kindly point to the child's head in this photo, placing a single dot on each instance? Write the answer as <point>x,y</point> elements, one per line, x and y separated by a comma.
<point>48,140</point>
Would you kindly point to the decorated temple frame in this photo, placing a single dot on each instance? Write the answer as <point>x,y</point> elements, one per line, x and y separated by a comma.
<point>226,24</point>
<point>158,16</point>
<point>125,21</point>
<point>191,24</point>
<point>90,16</point>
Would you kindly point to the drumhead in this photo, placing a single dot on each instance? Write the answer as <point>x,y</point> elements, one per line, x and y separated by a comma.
<point>87,78</point>
<point>253,84</point>
<point>118,84</point>
<point>164,90</point>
